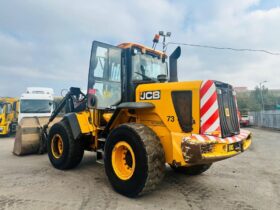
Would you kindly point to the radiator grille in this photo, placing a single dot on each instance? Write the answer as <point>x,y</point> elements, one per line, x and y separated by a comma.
<point>227,110</point>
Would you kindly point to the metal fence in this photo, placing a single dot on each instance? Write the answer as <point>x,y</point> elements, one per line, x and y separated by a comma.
<point>267,119</point>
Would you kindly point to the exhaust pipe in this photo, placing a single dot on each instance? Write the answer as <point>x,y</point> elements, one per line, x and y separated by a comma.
<point>173,64</point>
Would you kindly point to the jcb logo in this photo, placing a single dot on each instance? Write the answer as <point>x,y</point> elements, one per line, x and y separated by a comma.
<point>150,95</point>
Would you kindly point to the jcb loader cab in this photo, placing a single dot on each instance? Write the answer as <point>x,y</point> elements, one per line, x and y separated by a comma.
<point>138,117</point>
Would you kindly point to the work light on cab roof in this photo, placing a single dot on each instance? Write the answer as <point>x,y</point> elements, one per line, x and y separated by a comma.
<point>157,37</point>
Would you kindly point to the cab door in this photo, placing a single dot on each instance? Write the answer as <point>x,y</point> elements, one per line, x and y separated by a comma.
<point>105,76</point>
<point>9,113</point>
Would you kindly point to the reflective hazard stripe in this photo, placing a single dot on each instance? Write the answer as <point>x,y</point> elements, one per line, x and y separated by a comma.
<point>209,112</point>
<point>207,138</point>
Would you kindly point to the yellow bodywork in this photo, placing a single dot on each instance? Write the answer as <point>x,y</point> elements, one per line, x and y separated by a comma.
<point>169,132</point>
<point>220,150</point>
<point>83,119</point>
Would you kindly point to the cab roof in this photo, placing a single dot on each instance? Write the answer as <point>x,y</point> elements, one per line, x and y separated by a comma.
<point>142,47</point>
<point>7,100</point>
<point>36,96</point>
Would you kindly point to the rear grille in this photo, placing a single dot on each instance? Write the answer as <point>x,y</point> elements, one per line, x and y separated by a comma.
<point>227,110</point>
<point>182,102</point>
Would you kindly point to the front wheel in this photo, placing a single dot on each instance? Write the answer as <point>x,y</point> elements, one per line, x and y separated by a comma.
<point>192,170</point>
<point>134,159</point>
<point>63,150</point>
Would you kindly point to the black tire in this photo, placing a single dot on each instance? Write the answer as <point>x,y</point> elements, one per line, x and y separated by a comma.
<point>149,159</point>
<point>192,170</point>
<point>72,149</point>
<point>9,133</point>
<point>43,142</point>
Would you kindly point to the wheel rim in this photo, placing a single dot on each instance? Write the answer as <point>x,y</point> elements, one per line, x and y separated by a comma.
<point>123,160</point>
<point>57,146</point>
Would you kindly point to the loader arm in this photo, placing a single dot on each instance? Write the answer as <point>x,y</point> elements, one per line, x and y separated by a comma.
<point>32,133</point>
<point>74,92</point>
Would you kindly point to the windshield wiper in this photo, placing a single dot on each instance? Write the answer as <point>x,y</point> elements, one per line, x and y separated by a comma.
<point>145,77</point>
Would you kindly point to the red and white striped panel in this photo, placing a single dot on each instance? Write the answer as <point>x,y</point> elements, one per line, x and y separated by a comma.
<point>213,139</point>
<point>209,110</point>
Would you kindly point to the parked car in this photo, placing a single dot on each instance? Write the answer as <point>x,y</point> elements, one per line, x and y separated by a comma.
<point>244,121</point>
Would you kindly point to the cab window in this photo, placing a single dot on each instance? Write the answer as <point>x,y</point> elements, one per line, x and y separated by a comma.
<point>147,67</point>
<point>9,108</point>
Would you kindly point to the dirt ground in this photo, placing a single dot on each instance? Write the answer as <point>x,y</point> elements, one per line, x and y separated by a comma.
<point>248,181</point>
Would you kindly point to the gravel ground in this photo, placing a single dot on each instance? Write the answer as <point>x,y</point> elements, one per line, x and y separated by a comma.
<point>248,181</point>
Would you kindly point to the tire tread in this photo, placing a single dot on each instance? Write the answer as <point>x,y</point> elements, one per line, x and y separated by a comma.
<point>155,155</point>
<point>76,151</point>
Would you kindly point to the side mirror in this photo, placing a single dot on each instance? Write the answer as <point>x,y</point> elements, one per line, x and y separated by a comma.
<point>92,100</point>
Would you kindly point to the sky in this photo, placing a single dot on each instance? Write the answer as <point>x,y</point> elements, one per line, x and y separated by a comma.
<point>47,43</point>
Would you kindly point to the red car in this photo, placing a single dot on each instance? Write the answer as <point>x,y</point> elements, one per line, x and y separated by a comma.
<point>244,121</point>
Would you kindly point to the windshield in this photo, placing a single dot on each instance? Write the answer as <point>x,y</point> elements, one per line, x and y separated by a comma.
<point>147,68</point>
<point>35,106</point>
<point>1,108</point>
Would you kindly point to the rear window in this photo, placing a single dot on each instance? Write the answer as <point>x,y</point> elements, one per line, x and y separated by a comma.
<point>182,101</point>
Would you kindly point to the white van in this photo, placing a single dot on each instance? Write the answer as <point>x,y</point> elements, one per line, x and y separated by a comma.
<point>36,101</point>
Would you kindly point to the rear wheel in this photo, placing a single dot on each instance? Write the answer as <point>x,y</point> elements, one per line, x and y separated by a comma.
<point>9,130</point>
<point>134,159</point>
<point>192,170</point>
<point>63,150</point>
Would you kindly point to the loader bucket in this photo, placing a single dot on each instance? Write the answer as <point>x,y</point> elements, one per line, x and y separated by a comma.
<point>27,140</point>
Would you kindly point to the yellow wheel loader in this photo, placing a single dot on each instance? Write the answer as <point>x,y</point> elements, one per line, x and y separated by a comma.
<point>137,117</point>
<point>8,115</point>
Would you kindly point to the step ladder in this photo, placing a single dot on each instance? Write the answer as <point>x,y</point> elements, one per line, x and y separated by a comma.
<point>100,152</point>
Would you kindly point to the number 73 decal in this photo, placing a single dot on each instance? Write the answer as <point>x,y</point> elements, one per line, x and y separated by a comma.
<point>170,118</point>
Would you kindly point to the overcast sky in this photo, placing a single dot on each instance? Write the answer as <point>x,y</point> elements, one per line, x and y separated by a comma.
<point>47,42</point>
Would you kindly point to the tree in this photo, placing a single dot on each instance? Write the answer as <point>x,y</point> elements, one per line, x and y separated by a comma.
<point>252,100</point>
